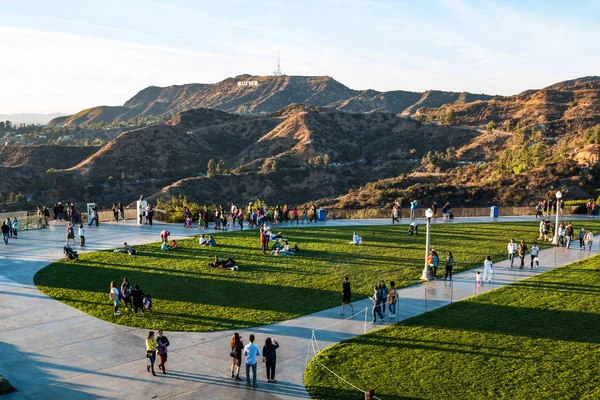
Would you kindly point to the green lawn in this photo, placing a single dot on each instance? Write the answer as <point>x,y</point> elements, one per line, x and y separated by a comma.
<point>190,296</point>
<point>536,339</point>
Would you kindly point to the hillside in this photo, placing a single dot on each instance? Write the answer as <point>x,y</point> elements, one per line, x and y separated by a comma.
<point>569,104</point>
<point>264,94</point>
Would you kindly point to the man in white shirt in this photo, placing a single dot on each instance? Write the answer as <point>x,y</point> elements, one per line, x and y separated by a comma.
<point>251,352</point>
<point>535,251</point>
<point>512,248</point>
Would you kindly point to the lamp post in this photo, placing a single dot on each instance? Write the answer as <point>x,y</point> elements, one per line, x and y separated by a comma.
<point>558,197</point>
<point>425,274</point>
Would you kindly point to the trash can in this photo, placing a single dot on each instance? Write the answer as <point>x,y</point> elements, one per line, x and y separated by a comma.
<point>494,211</point>
<point>322,214</point>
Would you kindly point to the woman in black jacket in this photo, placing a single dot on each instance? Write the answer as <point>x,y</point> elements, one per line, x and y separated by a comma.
<point>270,357</point>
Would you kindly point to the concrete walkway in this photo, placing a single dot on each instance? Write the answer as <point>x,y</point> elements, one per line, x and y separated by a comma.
<point>49,350</point>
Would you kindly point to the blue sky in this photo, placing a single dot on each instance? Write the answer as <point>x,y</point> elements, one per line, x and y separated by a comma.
<point>63,56</point>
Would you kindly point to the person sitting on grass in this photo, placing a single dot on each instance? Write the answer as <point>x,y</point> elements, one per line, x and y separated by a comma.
<point>272,236</point>
<point>287,249</point>
<point>129,249</point>
<point>225,264</point>
<point>277,246</point>
<point>413,228</point>
<point>147,303</point>
<point>356,240</point>
<point>202,240</point>
<point>164,246</point>
<point>211,242</point>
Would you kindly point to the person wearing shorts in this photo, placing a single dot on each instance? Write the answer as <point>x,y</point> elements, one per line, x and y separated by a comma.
<point>346,295</point>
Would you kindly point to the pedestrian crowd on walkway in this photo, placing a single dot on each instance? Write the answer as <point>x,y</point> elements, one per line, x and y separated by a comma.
<point>251,353</point>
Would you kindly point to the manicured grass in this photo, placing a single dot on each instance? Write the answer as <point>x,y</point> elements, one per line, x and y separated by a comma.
<point>190,296</point>
<point>5,386</point>
<point>536,339</point>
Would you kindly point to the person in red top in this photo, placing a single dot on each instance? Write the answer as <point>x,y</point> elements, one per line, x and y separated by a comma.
<point>295,215</point>
<point>263,240</point>
<point>164,236</point>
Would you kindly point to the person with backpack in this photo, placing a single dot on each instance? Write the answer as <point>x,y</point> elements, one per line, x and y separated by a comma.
<point>115,296</point>
<point>126,293</point>
<point>270,357</point>
<point>237,346</point>
<point>137,295</point>
<point>162,343</point>
<point>522,249</point>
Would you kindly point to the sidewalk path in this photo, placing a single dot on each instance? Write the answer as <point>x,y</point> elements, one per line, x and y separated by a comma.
<point>49,350</point>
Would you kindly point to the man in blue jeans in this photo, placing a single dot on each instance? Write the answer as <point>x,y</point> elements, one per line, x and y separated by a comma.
<point>251,352</point>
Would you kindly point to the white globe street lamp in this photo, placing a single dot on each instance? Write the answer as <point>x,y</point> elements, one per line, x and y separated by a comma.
<point>558,197</point>
<point>425,275</point>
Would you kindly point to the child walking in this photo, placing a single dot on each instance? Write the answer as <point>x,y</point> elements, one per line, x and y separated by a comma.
<point>81,235</point>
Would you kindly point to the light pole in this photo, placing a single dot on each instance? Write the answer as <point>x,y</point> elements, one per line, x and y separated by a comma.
<point>425,274</point>
<point>558,197</point>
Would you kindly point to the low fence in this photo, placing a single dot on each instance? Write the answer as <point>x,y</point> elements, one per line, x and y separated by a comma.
<point>459,212</point>
<point>27,219</point>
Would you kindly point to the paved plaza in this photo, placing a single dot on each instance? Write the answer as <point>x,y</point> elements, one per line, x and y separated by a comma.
<point>49,350</point>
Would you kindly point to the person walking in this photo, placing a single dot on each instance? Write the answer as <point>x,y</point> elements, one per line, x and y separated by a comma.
<point>314,214</point>
<point>569,234</point>
<point>122,211</point>
<point>589,239</point>
<point>522,249</point>
<point>9,224</point>
<point>376,299</point>
<point>393,296</point>
<point>305,215</point>
<point>487,270</point>
<point>251,352</point>
<point>383,292</point>
<point>270,356</point>
<point>581,239</point>
<point>81,232</point>
<point>346,295</point>
<point>535,251</point>
<point>150,214</point>
<point>237,346</point>
<point>151,347</point>
<point>162,343</point>
<point>5,232</point>
<point>449,266</point>
<point>115,296</point>
<point>286,213</point>
<point>115,210</point>
<point>512,249</point>
<point>295,211</point>
<point>70,233</point>
<point>395,214</point>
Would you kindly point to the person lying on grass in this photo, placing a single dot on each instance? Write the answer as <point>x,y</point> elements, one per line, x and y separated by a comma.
<point>129,249</point>
<point>285,250</point>
<point>225,264</point>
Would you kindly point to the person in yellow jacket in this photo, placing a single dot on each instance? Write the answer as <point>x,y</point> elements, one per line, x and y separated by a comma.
<point>151,347</point>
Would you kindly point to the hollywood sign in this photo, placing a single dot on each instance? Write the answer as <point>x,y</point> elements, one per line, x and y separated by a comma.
<point>247,83</point>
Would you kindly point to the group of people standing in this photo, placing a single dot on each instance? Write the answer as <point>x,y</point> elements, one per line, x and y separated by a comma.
<point>251,352</point>
<point>133,297</point>
<point>546,208</point>
<point>10,229</point>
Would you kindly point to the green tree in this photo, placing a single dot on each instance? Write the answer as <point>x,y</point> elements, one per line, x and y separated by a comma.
<point>220,168</point>
<point>211,169</point>
<point>490,127</point>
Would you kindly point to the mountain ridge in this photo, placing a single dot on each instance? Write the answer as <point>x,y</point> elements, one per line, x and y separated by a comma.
<point>261,94</point>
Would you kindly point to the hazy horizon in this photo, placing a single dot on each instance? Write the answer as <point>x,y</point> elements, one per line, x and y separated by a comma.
<point>66,56</point>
